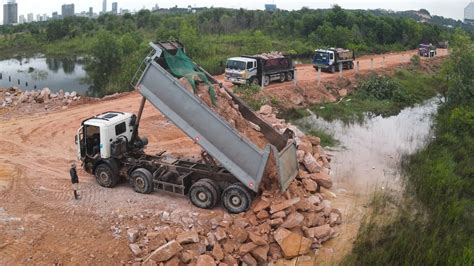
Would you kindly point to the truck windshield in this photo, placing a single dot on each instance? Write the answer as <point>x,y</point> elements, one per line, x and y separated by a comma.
<point>321,57</point>
<point>233,64</point>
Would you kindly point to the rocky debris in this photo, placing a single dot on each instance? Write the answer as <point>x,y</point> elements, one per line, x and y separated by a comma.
<point>310,185</point>
<point>136,250</point>
<point>132,235</point>
<point>292,244</point>
<point>14,96</point>
<point>278,225</point>
<point>283,205</point>
<point>249,260</point>
<point>260,253</point>
<point>188,237</point>
<point>205,260</point>
<point>165,252</point>
<point>293,220</point>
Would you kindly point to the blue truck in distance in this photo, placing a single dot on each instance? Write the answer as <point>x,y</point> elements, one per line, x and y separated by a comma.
<point>329,59</point>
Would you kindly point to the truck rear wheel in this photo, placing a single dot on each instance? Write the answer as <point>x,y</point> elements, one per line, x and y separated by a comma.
<point>105,175</point>
<point>142,181</point>
<point>236,198</point>
<point>203,194</point>
<point>289,76</point>
<point>282,77</point>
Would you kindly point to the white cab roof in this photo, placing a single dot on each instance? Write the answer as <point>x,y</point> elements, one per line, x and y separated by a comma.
<point>242,59</point>
<point>107,119</point>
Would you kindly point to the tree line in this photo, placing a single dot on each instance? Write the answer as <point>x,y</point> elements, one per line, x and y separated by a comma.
<point>213,34</point>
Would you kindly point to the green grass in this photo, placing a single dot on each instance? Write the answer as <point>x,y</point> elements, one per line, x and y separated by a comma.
<point>327,139</point>
<point>385,96</point>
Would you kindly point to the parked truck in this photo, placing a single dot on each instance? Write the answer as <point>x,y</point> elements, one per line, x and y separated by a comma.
<point>259,69</point>
<point>427,50</point>
<point>231,166</point>
<point>330,59</point>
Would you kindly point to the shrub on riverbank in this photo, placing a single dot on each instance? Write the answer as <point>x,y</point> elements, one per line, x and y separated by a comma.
<point>381,95</point>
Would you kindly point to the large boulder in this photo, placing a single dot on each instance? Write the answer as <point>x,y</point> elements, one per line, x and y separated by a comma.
<point>292,244</point>
<point>165,252</point>
<point>311,164</point>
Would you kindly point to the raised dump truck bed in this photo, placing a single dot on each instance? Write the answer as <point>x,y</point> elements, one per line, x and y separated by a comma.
<point>242,158</point>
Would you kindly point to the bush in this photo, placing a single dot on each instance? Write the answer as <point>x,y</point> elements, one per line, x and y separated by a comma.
<point>382,88</point>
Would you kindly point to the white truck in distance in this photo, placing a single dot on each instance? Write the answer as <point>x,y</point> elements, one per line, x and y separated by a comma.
<point>259,69</point>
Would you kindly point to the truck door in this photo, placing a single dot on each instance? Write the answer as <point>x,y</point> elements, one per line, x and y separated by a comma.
<point>80,144</point>
<point>252,69</point>
<point>331,58</point>
<point>92,141</point>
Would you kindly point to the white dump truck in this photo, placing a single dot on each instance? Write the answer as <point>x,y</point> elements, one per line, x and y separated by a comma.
<point>231,167</point>
<point>259,69</point>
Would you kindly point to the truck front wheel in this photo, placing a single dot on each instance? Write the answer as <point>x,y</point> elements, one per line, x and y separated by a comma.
<point>142,181</point>
<point>266,80</point>
<point>203,194</point>
<point>289,76</point>
<point>253,81</point>
<point>236,198</point>
<point>333,69</point>
<point>105,175</point>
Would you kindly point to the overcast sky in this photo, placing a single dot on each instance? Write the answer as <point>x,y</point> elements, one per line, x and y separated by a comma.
<point>447,8</point>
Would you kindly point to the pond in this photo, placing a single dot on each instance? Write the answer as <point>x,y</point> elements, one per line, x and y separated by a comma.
<point>370,153</point>
<point>66,73</point>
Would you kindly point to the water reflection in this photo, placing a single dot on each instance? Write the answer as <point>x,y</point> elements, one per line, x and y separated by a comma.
<point>371,152</point>
<point>67,73</point>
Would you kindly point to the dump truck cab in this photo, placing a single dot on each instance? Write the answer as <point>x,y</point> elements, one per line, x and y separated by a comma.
<point>241,70</point>
<point>104,136</point>
<point>323,57</point>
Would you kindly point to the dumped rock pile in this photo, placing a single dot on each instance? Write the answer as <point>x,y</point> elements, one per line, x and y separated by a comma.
<point>278,226</point>
<point>14,96</point>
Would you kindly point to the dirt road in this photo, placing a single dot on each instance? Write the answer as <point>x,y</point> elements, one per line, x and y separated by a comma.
<point>306,83</point>
<point>39,219</point>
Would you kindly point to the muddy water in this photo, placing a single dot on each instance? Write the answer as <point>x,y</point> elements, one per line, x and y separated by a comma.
<point>368,159</point>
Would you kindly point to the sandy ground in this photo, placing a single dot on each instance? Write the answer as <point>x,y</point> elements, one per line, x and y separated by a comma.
<point>39,219</point>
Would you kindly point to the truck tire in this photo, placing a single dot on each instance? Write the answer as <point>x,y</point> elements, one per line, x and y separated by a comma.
<point>253,81</point>
<point>215,186</point>
<point>142,181</point>
<point>282,77</point>
<point>236,198</point>
<point>333,69</point>
<point>266,80</point>
<point>106,176</point>
<point>203,194</point>
<point>351,65</point>
<point>289,76</point>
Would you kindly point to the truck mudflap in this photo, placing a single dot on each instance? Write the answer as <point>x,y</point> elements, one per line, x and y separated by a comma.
<point>287,165</point>
<point>238,155</point>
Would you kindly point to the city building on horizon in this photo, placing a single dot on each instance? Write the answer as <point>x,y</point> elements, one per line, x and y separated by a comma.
<point>270,7</point>
<point>114,8</point>
<point>104,6</point>
<point>67,10</point>
<point>469,14</point>
<point>10,13</point>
